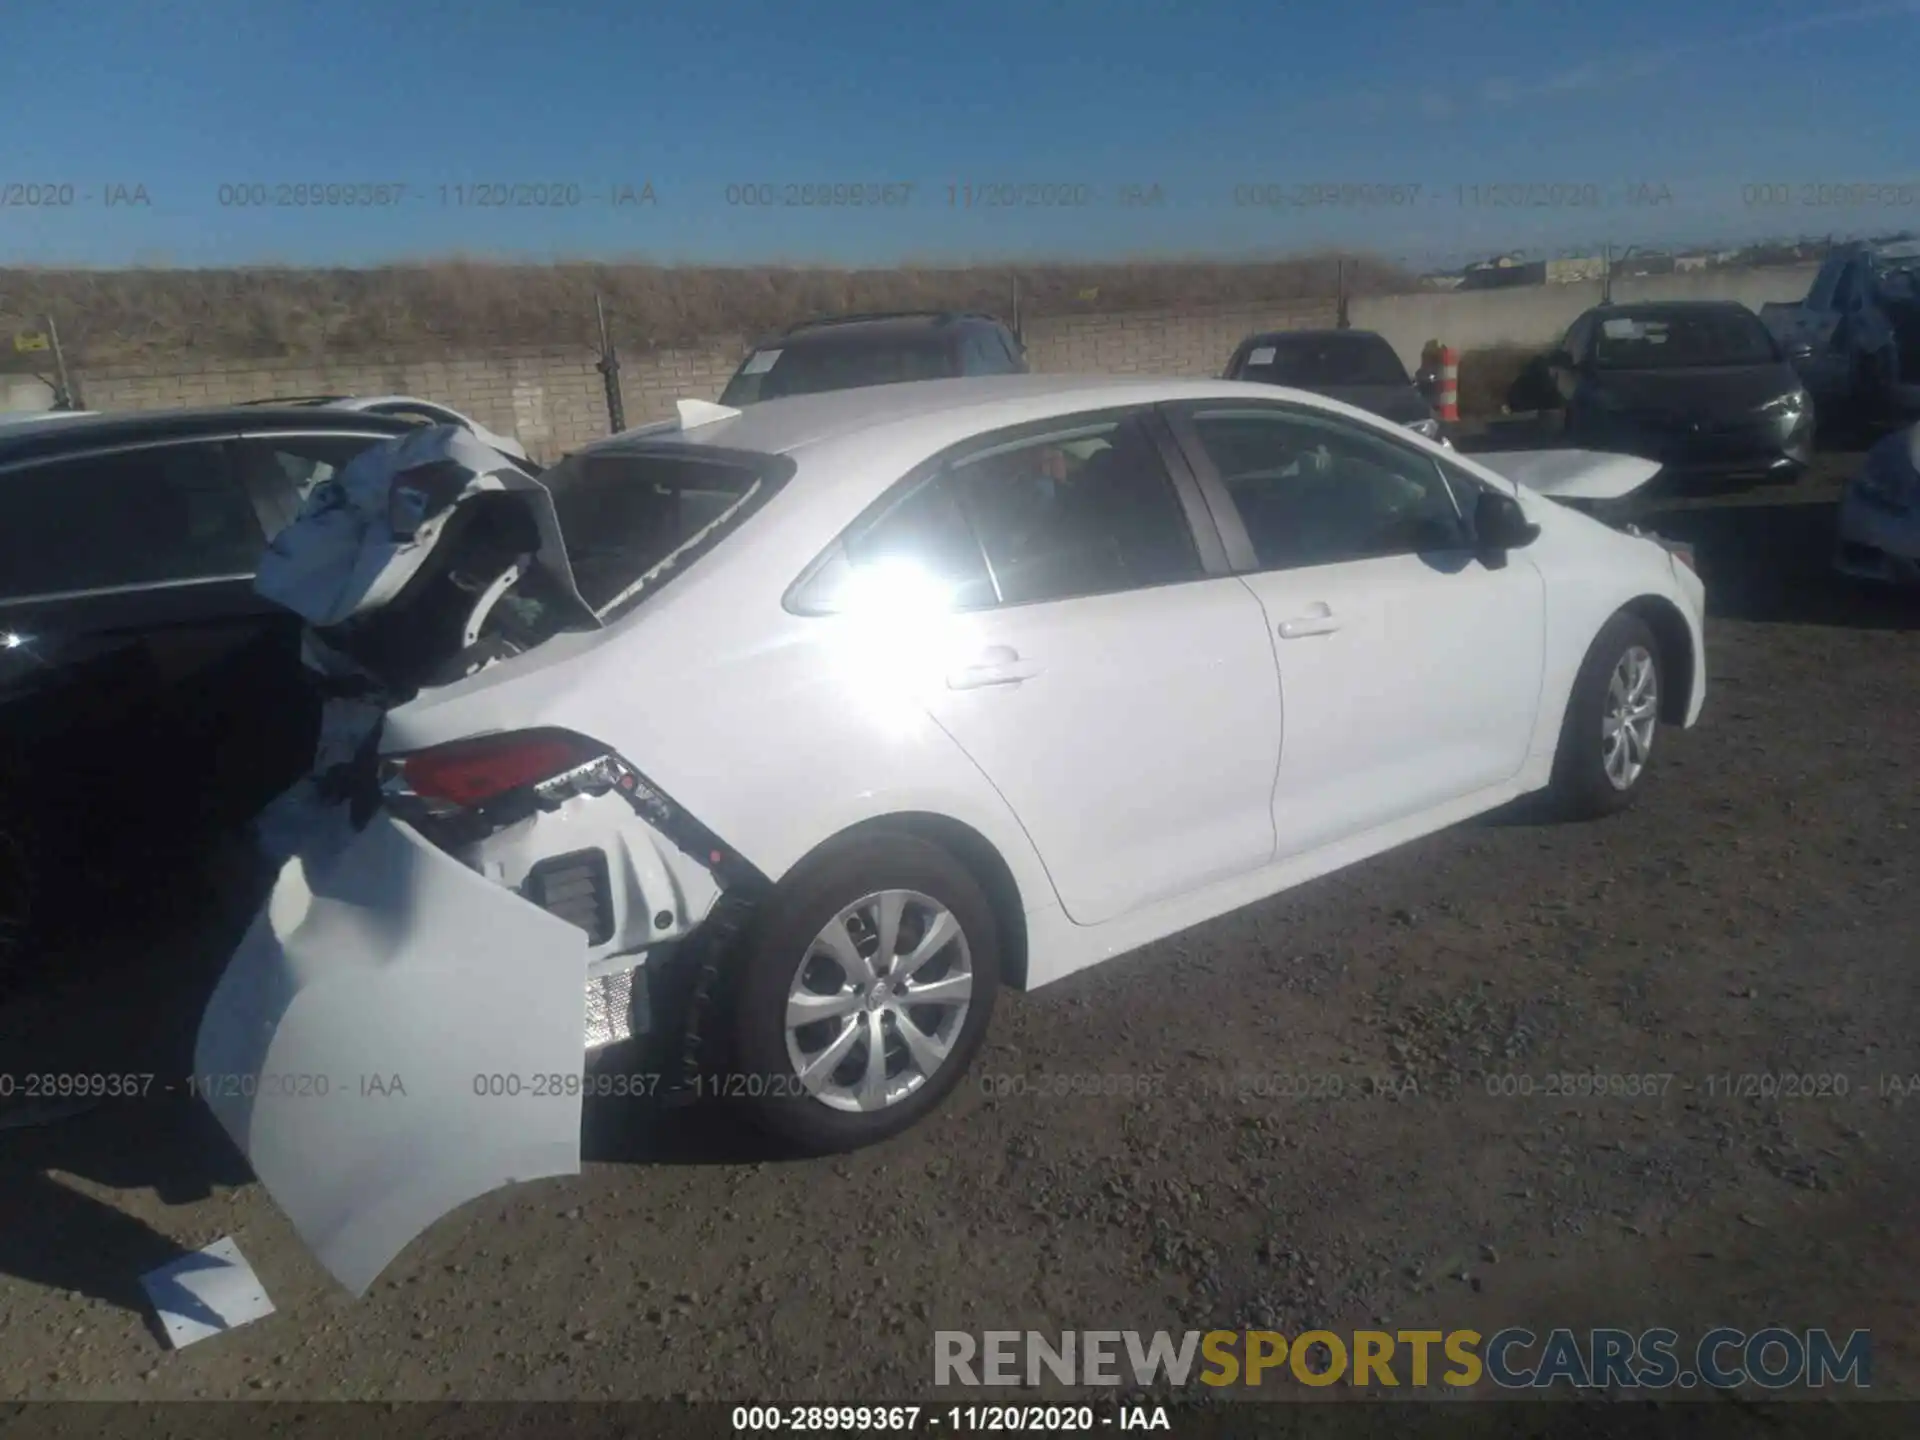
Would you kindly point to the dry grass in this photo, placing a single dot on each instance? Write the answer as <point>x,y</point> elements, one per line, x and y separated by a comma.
<point>469,305</point>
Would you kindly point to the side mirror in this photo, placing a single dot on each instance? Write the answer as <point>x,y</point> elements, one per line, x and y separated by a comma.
<point>1500,525</point>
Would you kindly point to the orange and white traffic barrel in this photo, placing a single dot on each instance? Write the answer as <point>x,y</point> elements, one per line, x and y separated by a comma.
<point>1449,400</point>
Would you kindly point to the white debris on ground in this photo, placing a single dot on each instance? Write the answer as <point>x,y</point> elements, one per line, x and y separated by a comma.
<point>206,1293</point>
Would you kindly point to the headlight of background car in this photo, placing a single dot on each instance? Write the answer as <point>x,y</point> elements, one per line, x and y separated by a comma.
<point>1887,478</point>
<point>1785,407</point>
<point>1429,427</point>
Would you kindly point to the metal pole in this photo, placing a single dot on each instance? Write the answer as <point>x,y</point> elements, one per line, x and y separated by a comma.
<point>1340,285</point>
<point>69,397</point>
<point>1606,273</point>
<point>609,368</point>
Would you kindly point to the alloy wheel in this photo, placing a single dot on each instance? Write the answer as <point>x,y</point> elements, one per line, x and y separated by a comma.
<point>1631,713</point>
<point>878,1000</point>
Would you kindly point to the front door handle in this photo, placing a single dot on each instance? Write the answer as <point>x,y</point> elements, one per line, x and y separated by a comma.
<point>996,665</point>
<point>1319,621</point>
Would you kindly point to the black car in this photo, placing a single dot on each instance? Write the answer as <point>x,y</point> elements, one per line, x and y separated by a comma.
<point>1354,366</point>
<point>845,352</point>
<point>1700,385</point>
<point>146,692</point>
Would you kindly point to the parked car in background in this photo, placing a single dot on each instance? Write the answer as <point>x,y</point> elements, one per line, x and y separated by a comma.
<point>146,691</point>
<point>410,408</point>
<point>1699,385</point>
<point>847,709</point>
<point>1878,527</point>
<point>844,352</point>
<point>1856,337</point>
<point>1356,366</point>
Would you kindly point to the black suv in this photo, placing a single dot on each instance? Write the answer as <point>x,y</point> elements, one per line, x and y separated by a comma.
<point>146,692</point>
<point>845,352</point>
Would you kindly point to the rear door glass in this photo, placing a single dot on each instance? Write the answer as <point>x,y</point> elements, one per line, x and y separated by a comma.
<point>630,520</point>
<point>164,513</point>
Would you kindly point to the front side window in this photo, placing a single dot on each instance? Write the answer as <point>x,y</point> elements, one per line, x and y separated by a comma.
<point>132,517</point>
<point>1313,491</point>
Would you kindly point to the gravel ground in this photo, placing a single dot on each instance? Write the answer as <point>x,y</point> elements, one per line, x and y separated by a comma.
<point>1756,914</point>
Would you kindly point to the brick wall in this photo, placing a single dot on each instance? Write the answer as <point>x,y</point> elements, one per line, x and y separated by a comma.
<point>555,400</point>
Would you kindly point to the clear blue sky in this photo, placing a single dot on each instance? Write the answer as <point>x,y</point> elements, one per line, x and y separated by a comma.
<point>1691,99</point>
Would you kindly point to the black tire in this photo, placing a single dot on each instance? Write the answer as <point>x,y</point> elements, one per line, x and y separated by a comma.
<point>763,1075</point>
<point>1581,788</point>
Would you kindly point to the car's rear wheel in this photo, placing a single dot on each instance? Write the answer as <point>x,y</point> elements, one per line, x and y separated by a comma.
<point>1613,717</point>
<point>863,994</point>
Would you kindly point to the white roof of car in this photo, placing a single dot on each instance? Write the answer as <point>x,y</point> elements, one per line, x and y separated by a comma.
<point>958,407</point>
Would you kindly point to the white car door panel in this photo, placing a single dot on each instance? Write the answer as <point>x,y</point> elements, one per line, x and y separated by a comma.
<point>1098,665</point>
<point>1134,735</point>
<point>1403,686</point>
<point>1410,667</point>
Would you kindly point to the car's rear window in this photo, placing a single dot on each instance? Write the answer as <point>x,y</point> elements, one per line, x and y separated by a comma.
<point>631,521</point>
<point>842,364</point>
<point>1309,361</point>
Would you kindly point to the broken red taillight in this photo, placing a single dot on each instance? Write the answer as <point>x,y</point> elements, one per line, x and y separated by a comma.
<point>471,773</point>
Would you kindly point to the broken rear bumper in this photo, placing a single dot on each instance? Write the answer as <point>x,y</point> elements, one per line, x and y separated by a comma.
<point>395,1036</point>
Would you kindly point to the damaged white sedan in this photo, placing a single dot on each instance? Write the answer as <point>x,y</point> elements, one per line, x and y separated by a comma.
<point>774,742</point>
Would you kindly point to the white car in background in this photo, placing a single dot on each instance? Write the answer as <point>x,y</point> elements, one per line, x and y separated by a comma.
<point>845,710</point>
<point>408,407</point>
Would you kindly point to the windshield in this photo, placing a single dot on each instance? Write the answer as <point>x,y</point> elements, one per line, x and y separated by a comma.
<point>1682,339</point>
<point>807,369</point>
<point>630,521</point>
<point>1316,361</point>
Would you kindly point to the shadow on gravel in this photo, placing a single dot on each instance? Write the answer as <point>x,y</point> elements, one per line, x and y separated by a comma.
<point>1771,563</point>
<point>127,1005</point>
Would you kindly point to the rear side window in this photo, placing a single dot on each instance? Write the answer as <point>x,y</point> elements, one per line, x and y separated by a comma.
<point>630,521</point>
<point>1086,511</point>
<point>134,517</point>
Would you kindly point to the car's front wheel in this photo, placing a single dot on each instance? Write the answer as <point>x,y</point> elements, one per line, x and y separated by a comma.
<point>863,994</point>
<point>1613,716</point>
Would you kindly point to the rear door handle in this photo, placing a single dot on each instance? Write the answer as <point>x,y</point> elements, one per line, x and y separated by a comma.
<point>996,665</point>
<point>1301,626</point>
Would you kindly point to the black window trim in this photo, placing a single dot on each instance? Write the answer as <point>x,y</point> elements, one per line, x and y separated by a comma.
<point>1226,515</point>
<point>1208,543</point>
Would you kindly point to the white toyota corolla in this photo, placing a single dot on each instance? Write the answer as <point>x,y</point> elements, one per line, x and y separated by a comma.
<point>775,742</point>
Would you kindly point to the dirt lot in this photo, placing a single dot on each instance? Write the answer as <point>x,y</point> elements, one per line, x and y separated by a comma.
<point>1757,914</point>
